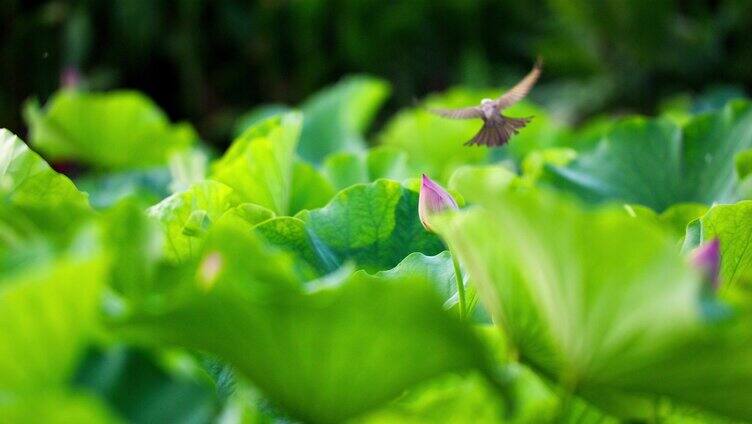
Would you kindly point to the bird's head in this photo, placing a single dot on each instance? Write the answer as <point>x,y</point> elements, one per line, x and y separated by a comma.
<point>486,101</point>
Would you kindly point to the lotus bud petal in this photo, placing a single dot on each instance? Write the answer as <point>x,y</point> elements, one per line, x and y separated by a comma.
<point>433,199</point>
<point>70,77</point>
<point>707,258</point>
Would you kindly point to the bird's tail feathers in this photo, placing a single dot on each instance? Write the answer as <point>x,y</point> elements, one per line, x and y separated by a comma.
<point>497,132</point>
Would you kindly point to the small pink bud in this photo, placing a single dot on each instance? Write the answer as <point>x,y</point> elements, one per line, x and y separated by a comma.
<point>70,77</point>
<point>707,258</point>
<point>432,199</point>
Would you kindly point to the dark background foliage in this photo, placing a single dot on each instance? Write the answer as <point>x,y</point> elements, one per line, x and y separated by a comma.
<point>208,61</point>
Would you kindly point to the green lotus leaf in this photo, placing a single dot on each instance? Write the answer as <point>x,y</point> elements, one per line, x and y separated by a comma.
<point>323,355</point>
<point>260,166</point>
<point>185,216</point>
<point>655,163</point>
<point>114,130</point>
<point>57,407</point>
<point>37,205</point>
<point>48,313</point>
<point>374,225</point>
<point>602,304</point>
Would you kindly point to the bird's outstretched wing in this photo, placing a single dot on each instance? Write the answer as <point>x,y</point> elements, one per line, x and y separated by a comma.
<point>463,113</point>
<point>519,91</point>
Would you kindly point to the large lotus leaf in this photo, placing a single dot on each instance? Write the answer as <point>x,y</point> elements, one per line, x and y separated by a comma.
<point>120,129</point>
<point>25,178</point>
<point>321,356</point>
<point>337,117</point>
<point>601,303</point>
<point>35,201</point>
<point>261,167</point>
<point>655,163</point>
<point>435,145</point>
<point>469,399</point>
<point>374,225</point>
<point>186,216</point>
<point>259,164</point>
<point>48,313</point>
<point>348,168</point>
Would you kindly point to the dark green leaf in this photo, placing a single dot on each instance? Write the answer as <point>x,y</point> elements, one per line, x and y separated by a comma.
<point>142,391</point>
<point>657,164</point>
<point>375,225</point>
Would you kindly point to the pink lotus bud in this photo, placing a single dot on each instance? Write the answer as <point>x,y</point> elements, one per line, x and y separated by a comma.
<point>707,258</point>
<point>70,77</point>
<point>433,199</point>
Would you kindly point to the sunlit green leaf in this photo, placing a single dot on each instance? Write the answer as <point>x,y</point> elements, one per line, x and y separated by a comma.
<point>36,202</point>
<point>57,408</point>
<point>25,178</point>
<point>259,164</point>
<point>322,356</point>
<point>48,313</point>
<point>261,167</point>
<point>121,129</point>
<point>601,303</point>
<point>186,216</point>
<point>732,225</point>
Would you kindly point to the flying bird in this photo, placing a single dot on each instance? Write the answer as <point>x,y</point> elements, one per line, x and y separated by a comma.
<point>497,129</point>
